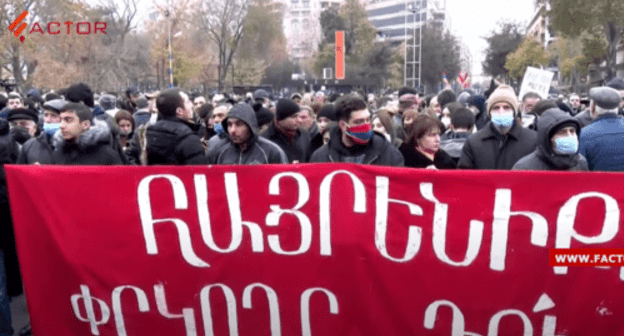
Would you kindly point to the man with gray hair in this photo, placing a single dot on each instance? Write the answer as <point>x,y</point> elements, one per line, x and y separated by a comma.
<point>601,142</point>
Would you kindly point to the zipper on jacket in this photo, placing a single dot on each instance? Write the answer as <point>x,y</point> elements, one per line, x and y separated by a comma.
<point>371,161</point>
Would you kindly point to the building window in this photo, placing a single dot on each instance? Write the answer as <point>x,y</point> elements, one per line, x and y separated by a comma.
<point>306,3</point>
<point>295,26</point>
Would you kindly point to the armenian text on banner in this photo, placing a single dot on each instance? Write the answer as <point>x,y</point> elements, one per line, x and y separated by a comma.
<point>327,249</point>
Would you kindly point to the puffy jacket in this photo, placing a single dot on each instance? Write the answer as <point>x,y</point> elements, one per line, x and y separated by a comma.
<point>488,149</point>
<point>258,150</point>
<point>171,141</point>
<point>377,151</point>
<point>544,157</point>
<point>141,117</point>
<point>37,149</point>
<point>92,148</point>
<point>297,150</point>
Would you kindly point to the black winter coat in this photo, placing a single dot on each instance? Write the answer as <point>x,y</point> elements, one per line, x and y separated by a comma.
<point>171,141</point>
<point>92,148</point>
<point>298,150</point>
<point>416,159</point>
<point>488,149</point>
<point>377,151</point>
<point>37,149</point>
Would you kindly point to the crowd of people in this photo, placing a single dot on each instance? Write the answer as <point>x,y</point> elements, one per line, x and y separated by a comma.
<point>466,130</point>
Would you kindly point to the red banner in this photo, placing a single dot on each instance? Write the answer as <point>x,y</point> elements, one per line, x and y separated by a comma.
<point>324,249</point>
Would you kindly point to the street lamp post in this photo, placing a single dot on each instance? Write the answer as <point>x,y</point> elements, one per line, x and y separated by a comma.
<point>168,15</point>
<point>416,12</point>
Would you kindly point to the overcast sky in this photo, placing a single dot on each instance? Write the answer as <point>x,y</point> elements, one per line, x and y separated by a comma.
<point>473,19</point>
<point>470,19</point>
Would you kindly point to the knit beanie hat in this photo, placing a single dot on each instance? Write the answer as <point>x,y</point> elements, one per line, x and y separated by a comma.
<point>503,93</point>
<point>264,116</point>
<point>328,111</point>
<point>285,108</point>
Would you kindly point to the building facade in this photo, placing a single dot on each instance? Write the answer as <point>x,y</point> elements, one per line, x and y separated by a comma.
<point>302,26</point>
<point>396,18</point>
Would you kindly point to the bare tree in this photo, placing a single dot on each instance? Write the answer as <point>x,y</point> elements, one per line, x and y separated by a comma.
<point>224,21</point>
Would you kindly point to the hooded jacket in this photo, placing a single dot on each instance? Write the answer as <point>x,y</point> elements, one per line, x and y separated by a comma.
<point>454,143</point>
<point>91,148</point>
<point>258,150</point>
<point>544,157</point>
<point>481,118</point>
<point>489,149</point>
<point>172,141</point>
<point>298,150</point>
<point>377,151</point>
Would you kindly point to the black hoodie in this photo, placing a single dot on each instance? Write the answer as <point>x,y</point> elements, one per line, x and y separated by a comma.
<point>544,157</point>
<point>377,151</point>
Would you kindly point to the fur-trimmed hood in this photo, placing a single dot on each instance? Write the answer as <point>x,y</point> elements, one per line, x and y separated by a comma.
<point>98,133</point>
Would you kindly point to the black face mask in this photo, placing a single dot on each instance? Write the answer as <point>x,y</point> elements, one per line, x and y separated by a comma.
<point>20,135</point>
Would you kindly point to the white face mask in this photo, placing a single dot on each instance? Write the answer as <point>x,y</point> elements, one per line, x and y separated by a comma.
<point>446,121</point>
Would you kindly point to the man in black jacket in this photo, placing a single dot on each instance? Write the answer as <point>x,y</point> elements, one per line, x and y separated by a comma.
<point>39,150</point>
<point>503,141</point>
<point>284,131</point>
<point>354,141</point>
<point>173,139</point>
<point>85,140</point>
<point>243,145</point>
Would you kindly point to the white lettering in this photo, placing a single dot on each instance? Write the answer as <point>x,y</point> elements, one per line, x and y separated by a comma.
<point>272,218</point>
<point>276,328</point>
<point>231,190</point>
<point>88,301</point>
<point>458,324</point>
<point>359,206</point>
<point>147,221</point>
<point>440,218</point>
<point>500,228</point>
<point>414,237</point>
<point>305,308</point>
<point>567,217</point>
<point>495,321</point>
<point>187,313</point>
<point>231,309</point>
<point>116,298</point>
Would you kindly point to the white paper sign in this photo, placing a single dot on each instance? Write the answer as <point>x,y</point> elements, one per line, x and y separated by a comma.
<point>536,80</point>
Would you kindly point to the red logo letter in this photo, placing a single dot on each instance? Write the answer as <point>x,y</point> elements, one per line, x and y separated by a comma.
<point>78,30</point>
<point>36,25</point>
<point>100,28</point>
<point>68,23</point>
<point>58,24</point>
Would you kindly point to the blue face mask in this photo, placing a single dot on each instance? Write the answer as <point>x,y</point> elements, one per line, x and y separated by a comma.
<point>219,128</point>
<point>503,121</point>
<point>566,146</point>
<point>51,129</point>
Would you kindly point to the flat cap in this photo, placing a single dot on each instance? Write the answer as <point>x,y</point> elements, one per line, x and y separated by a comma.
<point>55,105</point>
<point>616,83</point>
<point>605,97</point>
<point>260,93</point>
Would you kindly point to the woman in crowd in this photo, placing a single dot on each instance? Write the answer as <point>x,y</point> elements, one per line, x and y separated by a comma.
<point>125,122</point>
<point>382,123</point>
<point>421,148</point>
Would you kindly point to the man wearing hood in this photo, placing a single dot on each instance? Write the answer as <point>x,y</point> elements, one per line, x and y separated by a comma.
<point>243,144</point>
<point>503,141</point>
<point>108,104</point>
<point>601,141</point>
<point>285,132</point>
<point>85,141</point>
<point>557,144</point>
<point>39,150</point>
<point>354,140</point>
